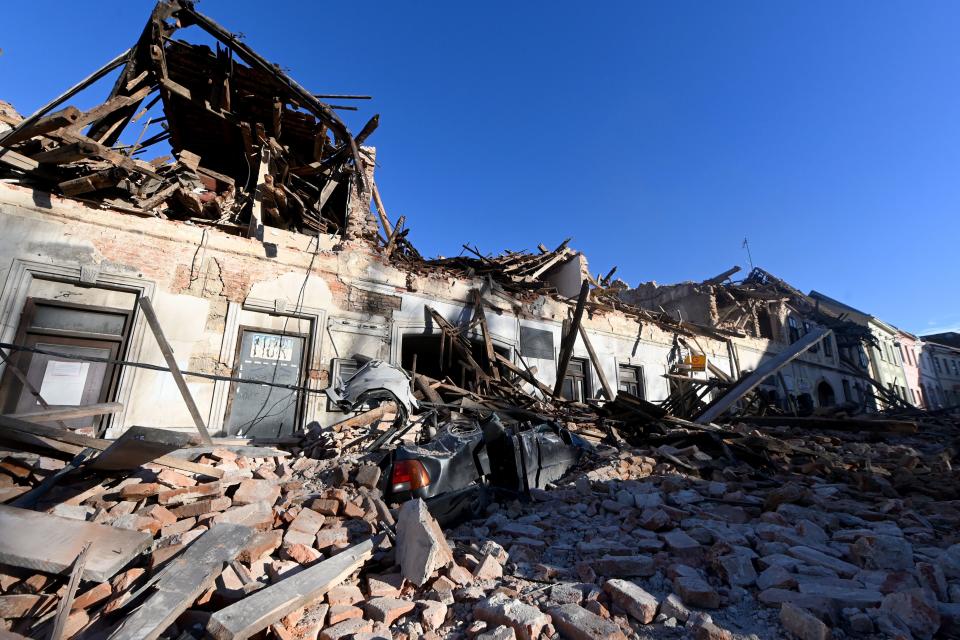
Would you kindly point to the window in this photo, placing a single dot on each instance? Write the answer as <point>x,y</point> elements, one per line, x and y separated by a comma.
<point>956,371</point>
<point>863,358</point>
<point>576,383</point>
<point>794,329</point>
<point>846,390</point>
<point>631,380</point>
<point>828,346</point>
<point>807,328</point>
<point>341,370</point>
<point>936,363</point>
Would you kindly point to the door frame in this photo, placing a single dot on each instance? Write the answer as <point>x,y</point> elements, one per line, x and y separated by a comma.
<point>23,359</point>
<point>301,378</point>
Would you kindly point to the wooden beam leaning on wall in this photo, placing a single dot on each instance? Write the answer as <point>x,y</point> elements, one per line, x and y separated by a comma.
<point>167,352</point>
<point>766,368</point>
<point>485,330</point>
<point>566,346</point>
<point>597,365</point>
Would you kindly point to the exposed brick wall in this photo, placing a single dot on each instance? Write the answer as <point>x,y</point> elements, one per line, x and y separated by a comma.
<point>371,302</point>
<point>361,222</point>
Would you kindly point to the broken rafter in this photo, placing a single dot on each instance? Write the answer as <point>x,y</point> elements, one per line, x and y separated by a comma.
<point>187,14</point>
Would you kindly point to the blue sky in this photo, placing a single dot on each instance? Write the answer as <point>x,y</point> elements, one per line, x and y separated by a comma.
<point>657,135</point>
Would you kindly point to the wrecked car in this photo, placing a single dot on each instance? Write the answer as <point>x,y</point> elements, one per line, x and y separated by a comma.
<point>374,382</point>
<point>456,472</point>
<point>454,465</point>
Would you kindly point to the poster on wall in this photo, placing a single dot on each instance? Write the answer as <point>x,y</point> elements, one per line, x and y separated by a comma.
<point>271,347</point>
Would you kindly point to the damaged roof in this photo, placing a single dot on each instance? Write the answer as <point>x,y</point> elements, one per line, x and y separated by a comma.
<point>251,145</point>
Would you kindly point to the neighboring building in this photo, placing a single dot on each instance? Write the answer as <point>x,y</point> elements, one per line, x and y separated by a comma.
<point>945,363</point>
<point>948,338</point>
<point>911,348</point>
<point>775,315</point>
<point>883,355</point>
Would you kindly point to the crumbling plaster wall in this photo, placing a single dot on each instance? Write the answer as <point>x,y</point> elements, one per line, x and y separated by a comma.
<point>359,304</point>
<point>687,301</point>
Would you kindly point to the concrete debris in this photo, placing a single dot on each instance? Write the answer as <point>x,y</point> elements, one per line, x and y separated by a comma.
<point>421,546</point>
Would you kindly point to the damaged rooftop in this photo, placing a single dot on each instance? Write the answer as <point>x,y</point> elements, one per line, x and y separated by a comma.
<point>237,402</point>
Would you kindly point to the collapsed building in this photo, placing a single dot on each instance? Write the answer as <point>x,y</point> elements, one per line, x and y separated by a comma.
<point>228,291</point>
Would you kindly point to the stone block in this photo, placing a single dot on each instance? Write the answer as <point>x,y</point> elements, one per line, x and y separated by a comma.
<point>632,599</point>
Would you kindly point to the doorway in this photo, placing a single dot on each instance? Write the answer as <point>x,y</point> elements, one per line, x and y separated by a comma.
<point>825,395</point>
<point>62,330</point>
<point>260,410</point>
<point>438,362</point>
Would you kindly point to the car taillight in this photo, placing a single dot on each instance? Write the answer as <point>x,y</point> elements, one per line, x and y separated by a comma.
<point>408,475</point>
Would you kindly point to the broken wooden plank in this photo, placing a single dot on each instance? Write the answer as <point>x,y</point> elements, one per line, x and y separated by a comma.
<point>63,118</point>
<point>597,364</point>
<point>93,182</point>
<point>381,212</point>
<point>49,543</point>
<point>183,581</point>
<point>73,443</point>
<point>178,378</point>
<point>66,601</point>
<point>28,499</point>
<point>566,345</point>
<point>485,332</point>
<point>259,610</point>
<point>525,375</point>
<point>392,240</point>
<point>366,418</point>
<point>65,153</point>
<point>766,368</point>
<point>723,276</point>
<point>17,161</point>
<point>69,413</point>
<point>139,445</point>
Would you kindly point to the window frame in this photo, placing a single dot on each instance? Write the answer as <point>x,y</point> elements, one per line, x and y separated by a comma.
<point>300,411</point>
<point>25,331</point>
<point>793,329</point>
<point>637,371</point>
<point>584,376</point>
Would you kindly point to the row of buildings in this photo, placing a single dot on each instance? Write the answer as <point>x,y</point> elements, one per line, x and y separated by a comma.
<point>259,236</point>
<point>867,363</point>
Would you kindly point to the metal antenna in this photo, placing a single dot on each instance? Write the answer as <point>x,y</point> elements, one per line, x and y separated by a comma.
<point>746,245</point>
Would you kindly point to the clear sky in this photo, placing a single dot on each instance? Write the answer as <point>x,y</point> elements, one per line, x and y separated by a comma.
<point>656,135</point>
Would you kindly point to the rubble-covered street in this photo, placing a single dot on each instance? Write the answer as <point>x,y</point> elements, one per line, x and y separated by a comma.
<point>814,533</point>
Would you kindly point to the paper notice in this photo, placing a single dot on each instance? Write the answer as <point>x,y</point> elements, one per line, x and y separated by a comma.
<point>63,382</point>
